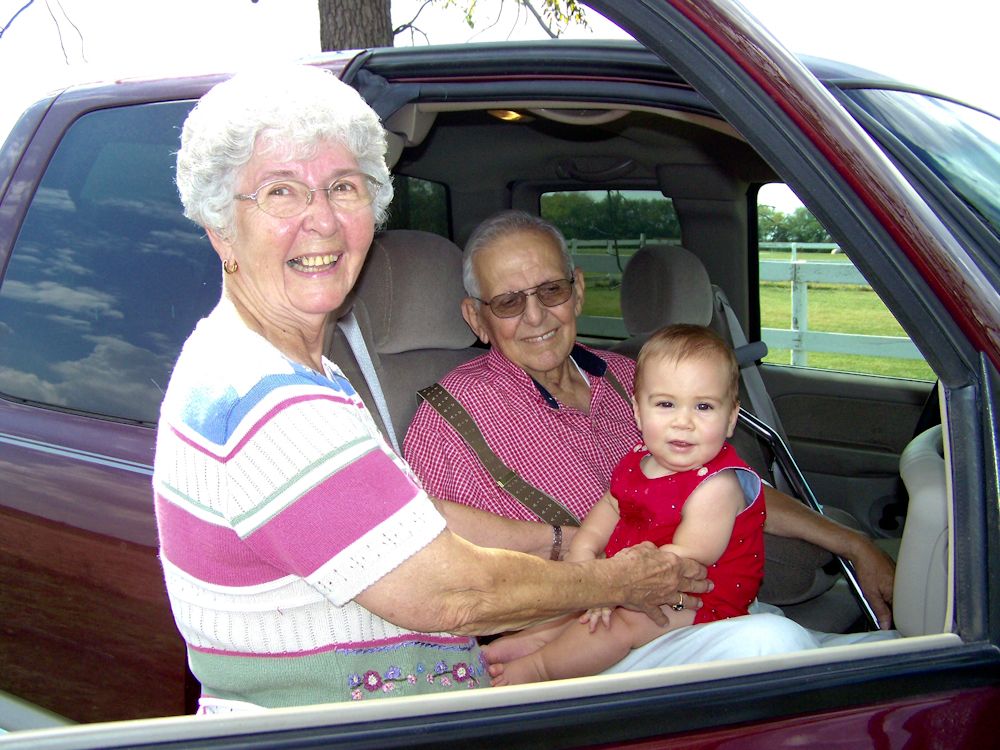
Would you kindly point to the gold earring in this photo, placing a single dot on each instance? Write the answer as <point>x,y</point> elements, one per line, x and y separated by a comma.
<point>230,266</point>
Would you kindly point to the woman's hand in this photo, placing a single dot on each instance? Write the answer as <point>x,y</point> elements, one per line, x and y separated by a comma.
<point>654,577</point>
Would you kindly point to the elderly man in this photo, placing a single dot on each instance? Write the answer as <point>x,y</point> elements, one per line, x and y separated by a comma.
<point>558,413</point>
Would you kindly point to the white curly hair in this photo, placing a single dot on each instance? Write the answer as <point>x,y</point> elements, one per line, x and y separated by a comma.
<point>288,110</point>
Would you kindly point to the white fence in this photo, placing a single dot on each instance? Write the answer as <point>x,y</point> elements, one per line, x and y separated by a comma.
<point>798,338</point>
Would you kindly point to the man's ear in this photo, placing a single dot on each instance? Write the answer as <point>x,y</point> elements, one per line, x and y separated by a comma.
<point>472,315</point>
<point>579,287</point>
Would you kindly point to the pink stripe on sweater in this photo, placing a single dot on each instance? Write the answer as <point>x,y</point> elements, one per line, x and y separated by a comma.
<point>314,529</point>
<point>334,514</point>
<point>210,553</point>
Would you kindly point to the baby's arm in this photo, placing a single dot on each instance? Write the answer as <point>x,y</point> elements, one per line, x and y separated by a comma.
<point>595,531</point>
<point>589,543</point>
<point>707,519</point>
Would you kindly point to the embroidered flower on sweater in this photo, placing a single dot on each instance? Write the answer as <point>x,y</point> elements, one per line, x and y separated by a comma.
<point>459,674</point>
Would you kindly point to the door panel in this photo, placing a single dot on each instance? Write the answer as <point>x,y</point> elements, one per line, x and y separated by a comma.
<point>847,432</point>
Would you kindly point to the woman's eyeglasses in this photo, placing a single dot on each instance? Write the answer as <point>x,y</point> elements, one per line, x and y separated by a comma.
<point>512,304</point>
<point>287,198</point>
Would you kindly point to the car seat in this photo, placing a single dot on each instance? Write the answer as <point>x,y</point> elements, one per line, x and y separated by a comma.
<point>406,305</point>
<point>664,284</point>
<point>920,590</point>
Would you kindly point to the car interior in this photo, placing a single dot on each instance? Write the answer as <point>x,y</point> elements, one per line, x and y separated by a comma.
<point>497,154</point>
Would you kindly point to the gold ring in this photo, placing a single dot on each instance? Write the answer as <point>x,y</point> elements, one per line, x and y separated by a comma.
<point>680,604</point>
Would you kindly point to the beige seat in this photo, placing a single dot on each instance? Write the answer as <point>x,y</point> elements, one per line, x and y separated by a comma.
<point>662,284</point>
<point>406,302</point>
<point>667,284</point>
<point>920,591</point>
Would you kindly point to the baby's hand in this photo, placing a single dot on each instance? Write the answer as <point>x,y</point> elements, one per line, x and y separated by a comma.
<point>593,616</point>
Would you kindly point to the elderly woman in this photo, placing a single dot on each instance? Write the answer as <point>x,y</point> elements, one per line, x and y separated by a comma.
<point>304,563</point>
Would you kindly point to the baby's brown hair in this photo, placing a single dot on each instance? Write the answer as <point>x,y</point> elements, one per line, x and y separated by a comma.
<point>684,341</point>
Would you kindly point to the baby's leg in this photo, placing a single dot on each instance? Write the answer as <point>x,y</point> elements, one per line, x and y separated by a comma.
<point>513,646</point>
<point>644,630</point>
<point>578,652</point>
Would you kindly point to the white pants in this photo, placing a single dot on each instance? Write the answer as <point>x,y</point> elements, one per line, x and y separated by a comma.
<point>762,634</point>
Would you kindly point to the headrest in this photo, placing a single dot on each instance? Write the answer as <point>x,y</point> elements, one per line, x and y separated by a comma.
<point>662,285</point>
<point>411,286</point>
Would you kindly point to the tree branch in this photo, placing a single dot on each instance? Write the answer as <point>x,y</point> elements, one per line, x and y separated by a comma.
<point>12,18</point>
<point>541,22</point>
<point>411,24</point>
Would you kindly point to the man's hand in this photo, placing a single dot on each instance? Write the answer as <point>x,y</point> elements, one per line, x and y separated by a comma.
<point>876,573</point>
<point>652,577</point>
<point>875,570</point>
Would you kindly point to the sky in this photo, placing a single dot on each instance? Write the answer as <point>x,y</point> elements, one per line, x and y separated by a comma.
<point>950,47</point>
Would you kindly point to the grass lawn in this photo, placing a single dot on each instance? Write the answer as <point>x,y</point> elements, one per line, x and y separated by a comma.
<point>837,308</point>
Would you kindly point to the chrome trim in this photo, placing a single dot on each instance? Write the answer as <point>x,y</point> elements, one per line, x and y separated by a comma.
<point>77,455</point>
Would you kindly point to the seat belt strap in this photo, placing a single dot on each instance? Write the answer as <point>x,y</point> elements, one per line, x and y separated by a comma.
<point>352,332</point>
<point>760,402</point>
<point>543,505</point>
<point>617,385</point>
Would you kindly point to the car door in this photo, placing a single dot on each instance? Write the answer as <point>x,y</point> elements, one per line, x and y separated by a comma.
<point>104,279</point>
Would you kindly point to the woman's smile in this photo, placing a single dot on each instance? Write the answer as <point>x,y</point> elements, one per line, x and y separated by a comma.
<point>314,263</point>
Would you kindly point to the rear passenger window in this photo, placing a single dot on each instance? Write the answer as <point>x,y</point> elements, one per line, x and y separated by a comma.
<point>603,229</point>
<point>816,309</point>
<point>419,204</point>
<point>107,278</point>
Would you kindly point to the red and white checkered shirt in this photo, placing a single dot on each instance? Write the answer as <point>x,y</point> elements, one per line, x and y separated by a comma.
<point>561,450</point>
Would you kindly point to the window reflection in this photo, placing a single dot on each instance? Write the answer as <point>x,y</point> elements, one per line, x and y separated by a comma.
<point>959,144</point>
<point>107,277</point>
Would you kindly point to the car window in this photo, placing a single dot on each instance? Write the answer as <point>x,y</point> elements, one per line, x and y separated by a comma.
<point>107,278</point>
<point>816,309</point>
<point>419,204</point>
<point>960,145</point>
<point>603,229</point>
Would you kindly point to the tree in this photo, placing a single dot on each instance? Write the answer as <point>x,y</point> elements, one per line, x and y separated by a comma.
<point>353,24</point>
<point>800,226</point>
<point>593,215</point>
<point>769,220</point>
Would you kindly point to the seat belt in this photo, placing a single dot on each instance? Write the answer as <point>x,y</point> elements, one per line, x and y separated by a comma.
<point>760,402</point>
<point>356,340</point>
<point>543,505</point>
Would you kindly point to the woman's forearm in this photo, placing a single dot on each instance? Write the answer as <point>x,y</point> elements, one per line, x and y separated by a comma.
<point>454,586</point>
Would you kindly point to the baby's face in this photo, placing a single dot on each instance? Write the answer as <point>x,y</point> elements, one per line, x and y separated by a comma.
<point>685,412</point>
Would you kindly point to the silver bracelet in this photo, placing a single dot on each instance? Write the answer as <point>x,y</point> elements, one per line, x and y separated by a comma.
<point>556,543</point>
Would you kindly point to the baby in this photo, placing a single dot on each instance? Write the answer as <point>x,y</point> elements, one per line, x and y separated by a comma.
<point>684,489</point>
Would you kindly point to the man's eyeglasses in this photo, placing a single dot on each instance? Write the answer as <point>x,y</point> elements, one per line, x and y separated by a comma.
<point>287,198</point>
<point>512,304</point>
